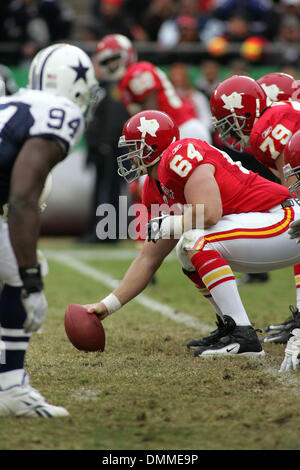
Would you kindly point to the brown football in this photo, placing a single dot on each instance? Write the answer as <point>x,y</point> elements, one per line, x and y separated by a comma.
<point>84,330</point>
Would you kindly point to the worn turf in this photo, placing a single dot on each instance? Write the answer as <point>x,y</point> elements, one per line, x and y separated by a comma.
<point>146,391</point>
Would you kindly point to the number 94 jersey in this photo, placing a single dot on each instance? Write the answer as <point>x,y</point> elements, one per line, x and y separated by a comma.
<point>34,113</point>
<point>241,190</point>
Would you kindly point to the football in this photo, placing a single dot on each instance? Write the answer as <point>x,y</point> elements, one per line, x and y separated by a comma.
<point>84,330</point>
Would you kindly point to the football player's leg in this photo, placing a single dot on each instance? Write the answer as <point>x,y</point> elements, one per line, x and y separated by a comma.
<point>280,332</point>
<point>219,280</point>
<point>189,270</point>
<point>237,336</point>
<point>269,248</point>
<point>16,396</point>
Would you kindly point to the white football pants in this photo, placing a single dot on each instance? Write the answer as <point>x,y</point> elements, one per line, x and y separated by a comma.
<point>250,242</point>
<point>9,272</point>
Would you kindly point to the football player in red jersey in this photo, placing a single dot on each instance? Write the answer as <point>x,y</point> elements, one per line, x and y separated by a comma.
<point>142,85</point>
<point>244,228</point>
<point>280,86</point>
<point>244,114</point>
<point>292,168</point>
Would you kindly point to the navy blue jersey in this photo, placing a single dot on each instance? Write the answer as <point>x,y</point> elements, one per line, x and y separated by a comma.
<point>34,113</point>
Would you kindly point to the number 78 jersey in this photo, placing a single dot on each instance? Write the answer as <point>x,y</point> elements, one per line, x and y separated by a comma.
<point>241,190</point>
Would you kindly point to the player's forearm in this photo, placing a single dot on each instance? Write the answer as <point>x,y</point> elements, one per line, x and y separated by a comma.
<point>200,216</point>
<point>24,227</point>
<point>136,279</point>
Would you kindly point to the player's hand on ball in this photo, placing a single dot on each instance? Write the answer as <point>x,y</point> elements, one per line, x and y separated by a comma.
<point>294,230</point>
<point>98,308</point>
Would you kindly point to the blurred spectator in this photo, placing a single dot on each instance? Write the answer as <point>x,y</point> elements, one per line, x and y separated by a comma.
<point>238,67</point>
<point>36,23</point>
<point>209,78</point>
<point>289,36</point>
<point>179,76</point>
<point>238,28</point>
<point>185,26</point>
<point>108,17</point>
<point>289,7</point>
<point>4,11</point>
<point>11,86</point>
<point>157,12</point>
<point>261,14</point>
<point>102,136</point>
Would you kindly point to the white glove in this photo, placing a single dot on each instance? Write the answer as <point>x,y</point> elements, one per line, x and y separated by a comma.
<point>164,226</point>
<point>294,230</point>
<point>292,352</point>
<point>35,305</point>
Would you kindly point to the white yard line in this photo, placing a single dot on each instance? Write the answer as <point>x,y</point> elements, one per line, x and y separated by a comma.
<point>69,259</point>
<point>103,254</point>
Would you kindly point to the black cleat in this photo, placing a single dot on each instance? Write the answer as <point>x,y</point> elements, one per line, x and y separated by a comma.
<point>223,326</point>
<point>279,334</point>
<point>240,341</point>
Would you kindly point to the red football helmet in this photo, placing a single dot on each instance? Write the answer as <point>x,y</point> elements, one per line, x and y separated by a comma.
<point>280,86</point>
<point>292,164</point>
<point>147,134</point>
<point>236,104</point>
<point>115,53</point>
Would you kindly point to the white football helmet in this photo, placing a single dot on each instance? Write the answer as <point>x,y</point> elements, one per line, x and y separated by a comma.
<point>65,70</point>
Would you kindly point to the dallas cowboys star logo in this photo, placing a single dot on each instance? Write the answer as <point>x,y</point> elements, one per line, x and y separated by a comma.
<point>81,71</point>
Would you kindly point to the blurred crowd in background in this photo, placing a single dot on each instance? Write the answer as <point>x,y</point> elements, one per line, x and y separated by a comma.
<point>179,34</point>
<point>248,27</point>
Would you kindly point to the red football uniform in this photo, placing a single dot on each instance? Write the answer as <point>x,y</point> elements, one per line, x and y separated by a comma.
<point>273,130</point>
<point>154,198</point>
<point>143,78</point>
<point>155,202</point>
<point>241,190</point>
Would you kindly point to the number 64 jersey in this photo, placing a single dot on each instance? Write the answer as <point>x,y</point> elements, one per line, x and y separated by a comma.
<point>34,113</point>
<point>241,190</point>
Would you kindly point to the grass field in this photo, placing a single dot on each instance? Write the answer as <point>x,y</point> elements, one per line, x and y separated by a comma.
<point>146,391</point>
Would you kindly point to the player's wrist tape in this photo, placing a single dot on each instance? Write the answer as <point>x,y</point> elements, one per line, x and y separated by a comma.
<point>111,303</point>
<point>31,278</point>
<point>172,226</point>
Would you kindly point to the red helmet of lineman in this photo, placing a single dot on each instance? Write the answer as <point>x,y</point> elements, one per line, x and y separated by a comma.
<point>236,104</point>
<point>280,86</point>
<point>115,53</point>
<point>292,164</point>
<point>146,134</point>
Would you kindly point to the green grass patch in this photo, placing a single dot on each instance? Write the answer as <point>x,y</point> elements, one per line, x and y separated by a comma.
<point>146,391</point>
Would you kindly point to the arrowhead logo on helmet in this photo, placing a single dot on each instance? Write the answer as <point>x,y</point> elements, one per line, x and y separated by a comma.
<point>149,126</point>
<point>272,91</point>
<point>232,101</point>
